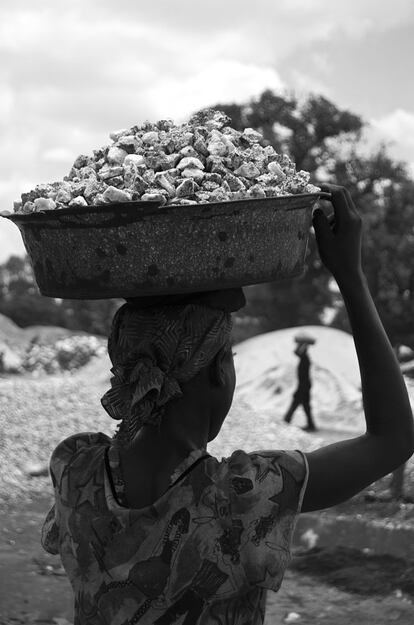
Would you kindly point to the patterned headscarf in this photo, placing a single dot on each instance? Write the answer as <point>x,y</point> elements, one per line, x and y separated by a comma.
<point>155,347</point>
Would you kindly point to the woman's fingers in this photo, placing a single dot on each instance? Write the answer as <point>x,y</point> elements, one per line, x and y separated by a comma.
<point>320,223</point>
<point>341,202</point>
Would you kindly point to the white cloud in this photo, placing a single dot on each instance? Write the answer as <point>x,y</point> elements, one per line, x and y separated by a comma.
<point>58,155</point>
<point>397,130</point>
<point>10,240</point>
<point>221,81</point>
<point>6,101</point>
<point>10,237</point>
<point>397,126</point>
<point>354,17</point>
<point>304,84</point>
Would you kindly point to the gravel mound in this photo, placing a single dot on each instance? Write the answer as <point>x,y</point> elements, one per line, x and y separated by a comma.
<point>39,412</point>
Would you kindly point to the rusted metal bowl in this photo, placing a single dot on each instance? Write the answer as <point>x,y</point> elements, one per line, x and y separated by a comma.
<point>139,248</point>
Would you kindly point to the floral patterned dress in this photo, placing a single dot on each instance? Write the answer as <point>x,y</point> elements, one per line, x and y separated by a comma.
<point>205,552</point>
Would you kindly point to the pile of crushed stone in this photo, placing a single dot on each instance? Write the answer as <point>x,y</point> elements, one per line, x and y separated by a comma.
<point>203,160</point>
<point>64,354</point>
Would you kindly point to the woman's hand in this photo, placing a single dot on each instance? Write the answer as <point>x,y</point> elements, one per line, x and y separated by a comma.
<point>339,237</point>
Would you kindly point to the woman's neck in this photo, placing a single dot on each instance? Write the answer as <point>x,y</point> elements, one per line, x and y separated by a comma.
<point>183,429</point>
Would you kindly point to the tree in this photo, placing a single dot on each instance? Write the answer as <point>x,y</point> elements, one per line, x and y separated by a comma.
<point>328,142</point>
<point>21,301</point>
<point>93,316</point>
<point>384,194</point>
<point>298,128</point>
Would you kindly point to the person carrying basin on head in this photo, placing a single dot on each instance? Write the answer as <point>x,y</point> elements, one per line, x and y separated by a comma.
<point>150,527</point>
<point>301,396</point>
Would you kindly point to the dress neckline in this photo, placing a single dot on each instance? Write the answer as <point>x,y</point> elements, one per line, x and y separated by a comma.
<point>117,483</point>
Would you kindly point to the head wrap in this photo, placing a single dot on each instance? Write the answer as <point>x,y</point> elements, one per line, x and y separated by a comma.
<point>157,342</point>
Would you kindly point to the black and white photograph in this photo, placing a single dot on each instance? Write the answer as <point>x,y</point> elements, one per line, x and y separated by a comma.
<point>206,312</point>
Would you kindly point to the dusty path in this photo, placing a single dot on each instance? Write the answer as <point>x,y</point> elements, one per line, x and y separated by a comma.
<point>317,604</point>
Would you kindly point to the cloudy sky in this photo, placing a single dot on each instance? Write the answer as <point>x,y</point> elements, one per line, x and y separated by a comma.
<point>70,72</point>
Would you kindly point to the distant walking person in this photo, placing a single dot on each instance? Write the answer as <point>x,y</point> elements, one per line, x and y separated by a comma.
<point>301,396</point>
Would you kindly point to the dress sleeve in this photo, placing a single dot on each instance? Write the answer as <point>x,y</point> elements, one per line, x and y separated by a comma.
<point>63,471</point>
<point>50,533</point>
<point>66,453</point>
<point>266,493</point>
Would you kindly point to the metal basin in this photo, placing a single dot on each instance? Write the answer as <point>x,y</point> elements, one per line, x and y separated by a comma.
<point>138,248</point>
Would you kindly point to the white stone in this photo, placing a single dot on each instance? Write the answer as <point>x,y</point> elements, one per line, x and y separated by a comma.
<point>231,148</point>
<point>98,199</point>
<point>276,170</point>
<point>150,137</point>
<point>107,171</point>
<point>252,135</point>
<point>219,195</point>
<point>127,141</point>
<point>186,202</point>
<point>63,196</point>
<point>187,187</point>
<point>154,197</point>
<point>217,148</point>
<point>235,183</point>
<point>256,191</point>
<point>247,170</point>
<point>112,194</point>
<point>134,159</point>
<point>173,172</point>
<point>115,134</point>
<point>116,156</point>
<point>191,162</point>
<point>78,201</point>
<point>43,204</point>
<point>36,469</point>
<point>188,150</point>
<point>193,172</point>
<point>203,197</point>
<point>163,182</point>
<point>201,146</point>
<point>310,538</point>
<point>10,361</point>
<point>28,207</point>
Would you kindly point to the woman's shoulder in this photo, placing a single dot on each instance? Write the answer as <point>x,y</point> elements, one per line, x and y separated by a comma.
<point>292,460</point>
<point>81,439</point>
<point>263,470</point>
<point>74,443</point>
<point>74,466</point>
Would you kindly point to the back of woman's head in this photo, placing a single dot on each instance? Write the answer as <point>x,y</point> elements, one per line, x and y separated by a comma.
<point>156,345</point>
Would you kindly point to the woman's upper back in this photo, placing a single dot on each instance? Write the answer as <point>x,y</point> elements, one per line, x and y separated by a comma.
<point>142,478</point>
<point>213,541</point>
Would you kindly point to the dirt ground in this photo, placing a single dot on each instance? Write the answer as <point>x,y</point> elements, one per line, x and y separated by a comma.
<point>336,587</point>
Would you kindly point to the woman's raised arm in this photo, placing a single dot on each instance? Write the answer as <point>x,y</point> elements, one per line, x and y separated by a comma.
<point>339,471</point>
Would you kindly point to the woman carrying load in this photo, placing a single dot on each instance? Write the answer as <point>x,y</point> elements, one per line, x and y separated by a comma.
<point>153,529</point>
